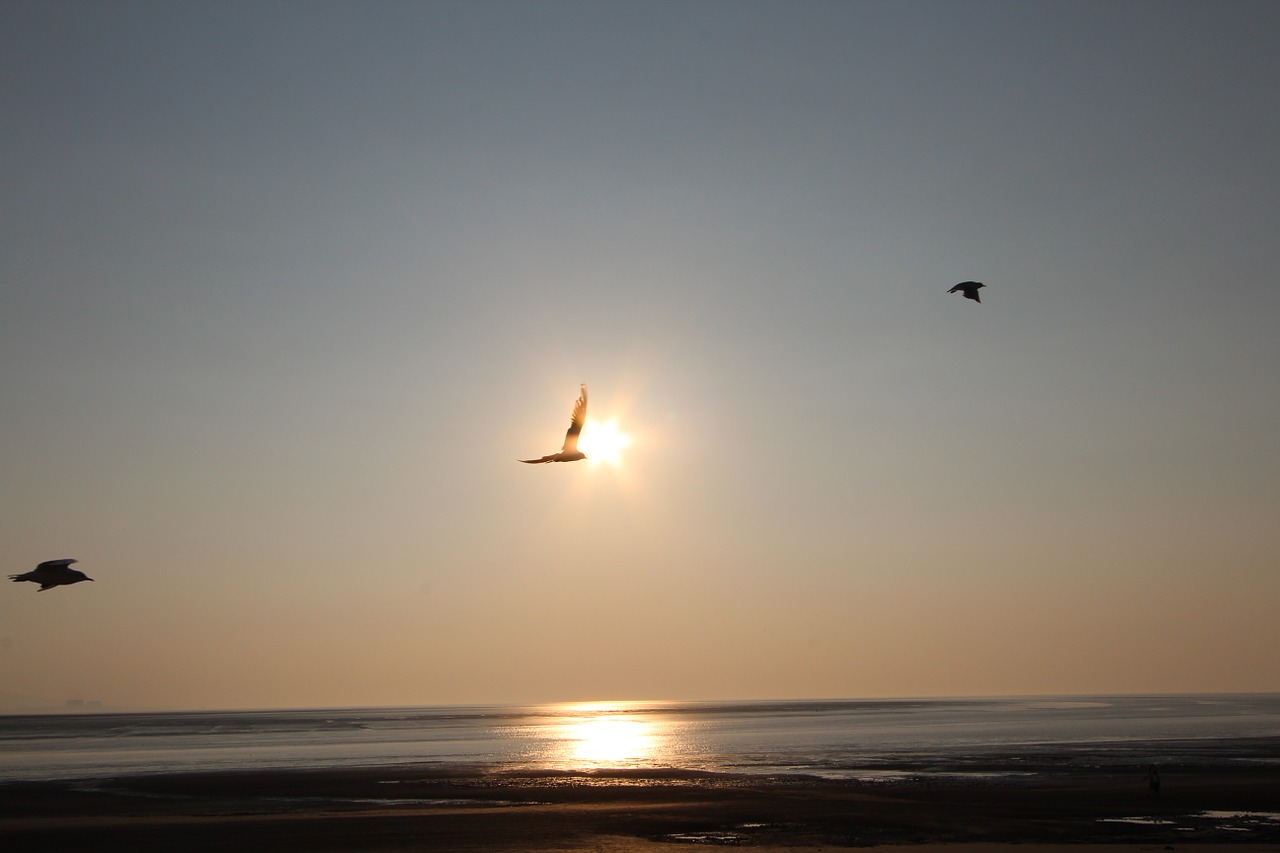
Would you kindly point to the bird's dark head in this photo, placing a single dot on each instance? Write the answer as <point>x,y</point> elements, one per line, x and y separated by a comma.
<point>80,576</point>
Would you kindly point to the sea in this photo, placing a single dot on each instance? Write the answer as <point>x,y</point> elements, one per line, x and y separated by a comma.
<point>862,739</point>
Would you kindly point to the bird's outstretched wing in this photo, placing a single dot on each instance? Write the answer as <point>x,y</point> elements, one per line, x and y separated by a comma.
<point>575,423</point>
<point>52,573</point>
<point>569,452</point>
<point>969,289</point>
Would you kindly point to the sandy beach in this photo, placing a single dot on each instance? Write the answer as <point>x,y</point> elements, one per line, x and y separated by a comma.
<point>393,809</point>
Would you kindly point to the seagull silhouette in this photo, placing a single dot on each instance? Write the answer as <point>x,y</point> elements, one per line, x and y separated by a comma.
<point>969,288</point>
<point>570,451</point>
<point>52,573</point>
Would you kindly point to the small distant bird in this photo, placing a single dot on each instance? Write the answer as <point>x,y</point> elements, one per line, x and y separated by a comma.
<point>969,288</point>
<point>52,573</point>
<point>570,451</point>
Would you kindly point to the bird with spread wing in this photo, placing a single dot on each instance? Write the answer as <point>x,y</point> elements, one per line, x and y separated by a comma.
<point>52,573</point>
<point>969,289</point>
<point>570,451</point>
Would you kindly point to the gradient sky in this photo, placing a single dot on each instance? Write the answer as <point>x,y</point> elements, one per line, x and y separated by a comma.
<point>287,288</point>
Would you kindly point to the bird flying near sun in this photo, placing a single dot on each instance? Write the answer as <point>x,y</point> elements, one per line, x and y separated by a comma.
<point>569,452</point>
<point>52,573</point>
<point>969,289</point>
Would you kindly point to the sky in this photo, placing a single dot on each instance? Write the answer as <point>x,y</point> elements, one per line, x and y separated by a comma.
<point>286,289</point>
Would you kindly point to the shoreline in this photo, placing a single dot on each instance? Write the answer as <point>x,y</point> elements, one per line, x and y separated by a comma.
<point>473,809</point>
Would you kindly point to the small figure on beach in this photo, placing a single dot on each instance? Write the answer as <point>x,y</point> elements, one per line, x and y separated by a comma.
<point>1153,780</point>
<point>52,573</point>
<point>569,452</point>
<point>969,289</point>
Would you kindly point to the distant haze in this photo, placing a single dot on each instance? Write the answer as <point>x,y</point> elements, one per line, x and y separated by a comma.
<point>287,289</point>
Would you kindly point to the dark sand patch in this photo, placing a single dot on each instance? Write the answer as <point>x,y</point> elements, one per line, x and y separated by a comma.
<point>402,808</point>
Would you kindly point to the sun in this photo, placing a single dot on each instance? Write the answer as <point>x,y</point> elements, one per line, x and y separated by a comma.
<point>602,442</point>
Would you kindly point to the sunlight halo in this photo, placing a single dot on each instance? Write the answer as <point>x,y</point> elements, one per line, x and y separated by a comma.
<point>602,442</point>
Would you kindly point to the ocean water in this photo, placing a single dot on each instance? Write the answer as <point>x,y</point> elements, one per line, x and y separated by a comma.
<point>854,739</point>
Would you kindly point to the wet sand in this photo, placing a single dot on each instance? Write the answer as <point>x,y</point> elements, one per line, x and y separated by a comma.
<point>403,808</point>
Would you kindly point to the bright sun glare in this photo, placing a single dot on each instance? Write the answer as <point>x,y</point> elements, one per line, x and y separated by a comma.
<point>602,442</point>
<point>610,740</point>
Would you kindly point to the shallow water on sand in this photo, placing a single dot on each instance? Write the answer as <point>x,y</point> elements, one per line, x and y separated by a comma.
<point>854,739</point>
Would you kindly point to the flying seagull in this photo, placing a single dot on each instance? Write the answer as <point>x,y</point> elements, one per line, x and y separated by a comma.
<point>52,573</point>
<point>969,288</point>
<point>570,451</point>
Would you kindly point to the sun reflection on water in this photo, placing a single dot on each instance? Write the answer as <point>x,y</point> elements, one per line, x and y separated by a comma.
<point>610,740</point>
<point>605,735</point>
